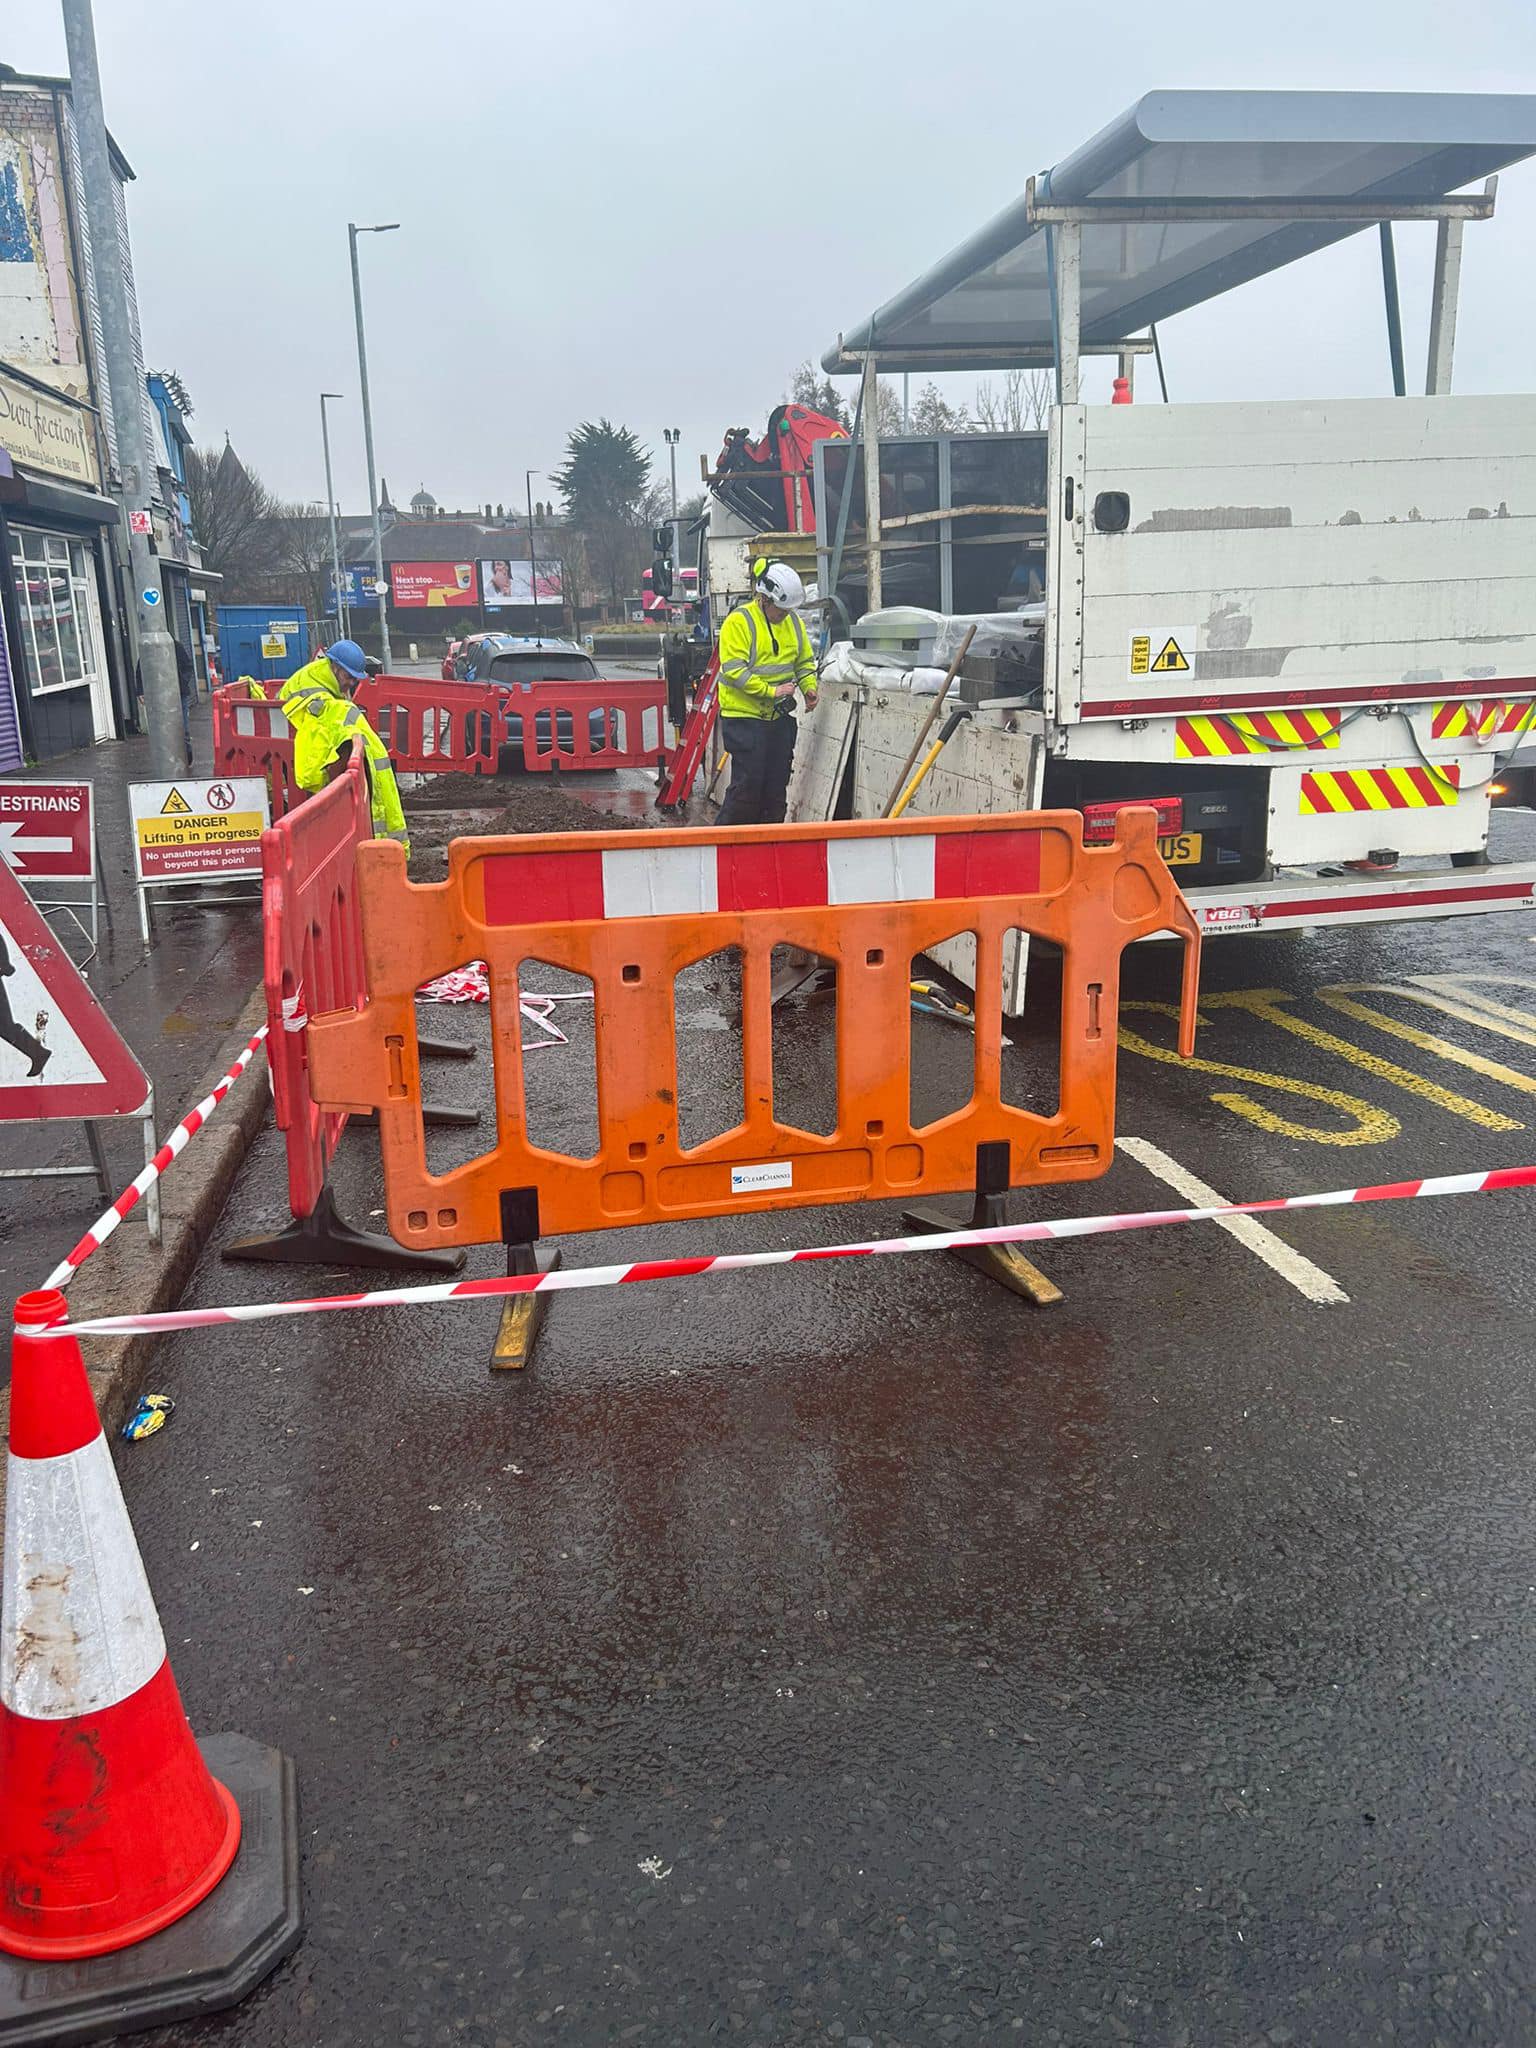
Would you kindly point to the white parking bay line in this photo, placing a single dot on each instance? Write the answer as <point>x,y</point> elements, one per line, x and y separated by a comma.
<point>1291,1265</point>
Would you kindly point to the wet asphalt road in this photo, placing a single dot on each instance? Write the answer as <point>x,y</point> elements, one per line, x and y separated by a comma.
<point>858,1655</point>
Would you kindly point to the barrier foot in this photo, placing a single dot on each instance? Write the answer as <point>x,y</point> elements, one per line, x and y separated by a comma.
<point>442,1048</point>
<point>325,1239</point>
<point>522,1315</point>
<point>200,1964</point>
<point>437,1116</point>
<point>1004,1263</point>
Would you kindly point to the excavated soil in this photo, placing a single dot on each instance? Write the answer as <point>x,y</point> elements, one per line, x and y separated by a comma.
<point>467,806</point>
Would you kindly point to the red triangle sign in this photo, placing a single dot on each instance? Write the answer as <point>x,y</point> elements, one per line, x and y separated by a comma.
<point>60,1055</point>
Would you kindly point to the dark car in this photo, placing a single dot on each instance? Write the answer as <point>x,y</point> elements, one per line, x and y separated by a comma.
<point>513,660</point>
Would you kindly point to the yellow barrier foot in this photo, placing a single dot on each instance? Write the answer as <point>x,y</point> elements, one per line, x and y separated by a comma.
<point>522,1317</point>
<point>1004,1263</point>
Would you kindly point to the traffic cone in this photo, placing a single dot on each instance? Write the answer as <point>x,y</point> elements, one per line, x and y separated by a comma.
<point>1122,394</point>
<point>111,1824</point>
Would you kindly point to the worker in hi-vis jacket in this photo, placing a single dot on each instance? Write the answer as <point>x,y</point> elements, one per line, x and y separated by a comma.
<point>765,660</point>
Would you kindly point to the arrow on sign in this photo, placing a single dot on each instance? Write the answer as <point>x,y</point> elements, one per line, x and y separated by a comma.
<point>14,847</point>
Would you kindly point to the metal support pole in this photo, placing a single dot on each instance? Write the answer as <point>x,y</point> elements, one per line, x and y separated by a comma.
<point>533,561</point>
<point>1394,308</point>
<point>353,231</point>
<point>330,513</point>
<point>157,657</point>
<point>871,408</point>
<point>1068,275</point>
<point>906,401</point>
<point>1442,308</point>
<point>1128,370</point>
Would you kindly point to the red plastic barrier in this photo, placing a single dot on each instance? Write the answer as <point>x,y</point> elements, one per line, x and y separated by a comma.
<point>252,736</point>
<point>435,728</point>
<point>312,959</point>
<point>610,723</point>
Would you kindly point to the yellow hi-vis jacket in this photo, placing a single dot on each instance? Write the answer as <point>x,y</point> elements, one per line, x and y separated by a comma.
<point>325,721</point>
<point>755,657</point>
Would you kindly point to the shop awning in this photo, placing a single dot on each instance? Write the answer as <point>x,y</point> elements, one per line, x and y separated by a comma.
<point>988,303</point>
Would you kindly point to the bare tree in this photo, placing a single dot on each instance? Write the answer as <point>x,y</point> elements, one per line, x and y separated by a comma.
<point>231,517</point>
<point>301,552</point>
<point>1022,406</point>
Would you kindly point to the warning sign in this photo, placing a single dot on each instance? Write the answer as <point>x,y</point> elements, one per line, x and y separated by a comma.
<point>192,831</point>
<point>273,646</point>
<point>46,830</point>
<point>60,1055</point>
<point>1163,651</point>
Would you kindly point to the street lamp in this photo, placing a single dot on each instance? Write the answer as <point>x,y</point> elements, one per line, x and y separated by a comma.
<point>353,231</point>
<point>330,510</point>
<point>533,564</point>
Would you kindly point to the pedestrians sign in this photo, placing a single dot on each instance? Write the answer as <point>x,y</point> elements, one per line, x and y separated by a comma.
<point>190,831</point>
<point>45,830</point>
<point>60,1055</point>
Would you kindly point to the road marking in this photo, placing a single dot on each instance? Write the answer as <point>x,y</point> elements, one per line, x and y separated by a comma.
<point>1266,1004</point>
<point>1519,1025</point>
<point>1342,996</point>
<point>1281,1258</point>
<point>1369,1125</point>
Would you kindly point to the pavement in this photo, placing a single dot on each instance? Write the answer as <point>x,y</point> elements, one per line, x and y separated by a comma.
<point>177,1006</point>
<point>852,1653</point>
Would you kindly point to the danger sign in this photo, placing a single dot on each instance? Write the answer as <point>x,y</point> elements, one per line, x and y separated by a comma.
<point>46,830</point>
<point>60,1055</point>
<point>1163,651</point>
<point>193,831</point>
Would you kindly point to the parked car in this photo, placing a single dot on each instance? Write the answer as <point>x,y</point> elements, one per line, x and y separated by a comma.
<point>515,660</point>
<point>449,658</point>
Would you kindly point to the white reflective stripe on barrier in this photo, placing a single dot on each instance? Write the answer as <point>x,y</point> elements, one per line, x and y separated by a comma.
<point>82,1633</point>
<point>567,1280</point>
<point>660,881</point>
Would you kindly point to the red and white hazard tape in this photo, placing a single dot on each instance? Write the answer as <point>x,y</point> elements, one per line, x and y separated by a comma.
<point>730,1262</point>
<point>174,1145</point>
<point>472,984</point>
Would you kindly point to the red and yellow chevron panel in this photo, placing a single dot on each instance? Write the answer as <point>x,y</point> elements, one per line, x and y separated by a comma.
<point>1254,732</point>
<point>1482,720</point>
<point>1379,789</point>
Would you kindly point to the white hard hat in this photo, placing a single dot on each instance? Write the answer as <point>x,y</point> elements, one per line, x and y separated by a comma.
<point>780,584</point>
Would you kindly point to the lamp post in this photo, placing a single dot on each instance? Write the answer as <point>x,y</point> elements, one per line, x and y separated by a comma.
<point>533,562</point>
<point>330,513</point>
<point>353,231</point>
<point>672,436</point>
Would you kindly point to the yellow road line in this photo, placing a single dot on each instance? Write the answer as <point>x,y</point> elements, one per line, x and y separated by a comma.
<point>1369,1125</point>
<point>1266,1004</point>
<point>1342,996</point>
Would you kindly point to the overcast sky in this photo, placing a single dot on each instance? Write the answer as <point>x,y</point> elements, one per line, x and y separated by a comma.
<point>654,212</point>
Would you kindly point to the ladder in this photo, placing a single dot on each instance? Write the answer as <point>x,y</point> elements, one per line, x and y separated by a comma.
<point>693,742</point>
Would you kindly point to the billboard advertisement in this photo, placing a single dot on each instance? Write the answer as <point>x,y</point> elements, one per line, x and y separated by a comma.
<point>431,584</point>
<point>503,583</point>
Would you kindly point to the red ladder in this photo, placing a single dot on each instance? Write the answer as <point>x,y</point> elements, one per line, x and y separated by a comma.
<point>683,768</point>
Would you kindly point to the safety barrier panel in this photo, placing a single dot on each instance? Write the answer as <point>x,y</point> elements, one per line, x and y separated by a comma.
<point>631,911</point>
<point>252,736</point>
<point>611,723</point>
<point>435,728</point>
<point>312,959</point>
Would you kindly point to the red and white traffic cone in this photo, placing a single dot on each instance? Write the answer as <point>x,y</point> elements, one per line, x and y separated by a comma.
<point>112,1825</point>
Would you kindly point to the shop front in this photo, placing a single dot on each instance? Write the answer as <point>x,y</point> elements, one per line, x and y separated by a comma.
<point>55,529</point>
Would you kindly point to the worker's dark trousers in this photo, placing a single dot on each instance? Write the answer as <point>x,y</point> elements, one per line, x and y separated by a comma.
<point>762,751</point>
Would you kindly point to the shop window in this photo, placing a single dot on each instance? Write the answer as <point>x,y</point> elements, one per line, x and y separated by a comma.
<point>53,595</point>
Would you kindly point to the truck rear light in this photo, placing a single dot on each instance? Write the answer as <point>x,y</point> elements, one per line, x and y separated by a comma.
<point>1099,819</point>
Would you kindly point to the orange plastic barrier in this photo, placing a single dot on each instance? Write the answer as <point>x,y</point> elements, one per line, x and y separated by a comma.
<point>612,723</point>
<point>252,736</point>
<point>435,728</point>
<point>632,910</point>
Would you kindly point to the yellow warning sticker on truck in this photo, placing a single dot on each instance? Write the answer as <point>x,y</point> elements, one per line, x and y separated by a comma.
<point>1163,651</point>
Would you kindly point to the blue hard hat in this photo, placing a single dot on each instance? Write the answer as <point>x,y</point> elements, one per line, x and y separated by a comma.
<point>349,656</point>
